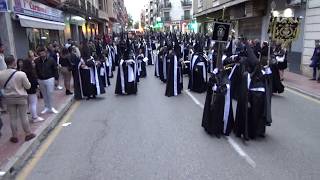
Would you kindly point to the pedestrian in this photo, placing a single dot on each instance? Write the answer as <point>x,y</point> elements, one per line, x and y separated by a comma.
<point>53,52</point>
<point>75,64</point>
<point>29,69</point>
<point>19,64</point>
<point>3,66</point>
<point>65,63</point>
<point>315,61</point>
<point>46,71</point>
<point>14,84</point>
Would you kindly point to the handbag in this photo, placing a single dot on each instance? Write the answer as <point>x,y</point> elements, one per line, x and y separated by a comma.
<point>6,83</point>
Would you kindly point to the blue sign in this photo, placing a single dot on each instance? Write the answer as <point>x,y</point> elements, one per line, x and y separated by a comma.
<point>3,6</point>
<point>35,9</point>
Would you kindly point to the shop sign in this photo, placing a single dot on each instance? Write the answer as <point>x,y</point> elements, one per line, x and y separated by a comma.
<point>221,31</point>
<point>3,6</point>
<point>35,9</point>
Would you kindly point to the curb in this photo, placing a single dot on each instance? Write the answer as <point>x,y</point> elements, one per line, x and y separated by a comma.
<point>20,158</point>
<point>302,91</point>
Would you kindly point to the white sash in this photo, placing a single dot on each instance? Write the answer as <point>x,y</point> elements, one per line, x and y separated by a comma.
<point>226,109</point>
<point>164,67</point>
<point>175,76</point>
<point>131,72</point>
<point>122,76</point>
<point>80,81</point>
<point>204,72</point>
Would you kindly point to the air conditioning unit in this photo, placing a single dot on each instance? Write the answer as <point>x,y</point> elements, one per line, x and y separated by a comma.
<point>294,2</point>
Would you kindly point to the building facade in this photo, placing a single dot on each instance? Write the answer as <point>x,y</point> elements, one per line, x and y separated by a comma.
<point>168,15</point>
<point>250,18</point>
<point>27,24</point>
<point>311,33</point>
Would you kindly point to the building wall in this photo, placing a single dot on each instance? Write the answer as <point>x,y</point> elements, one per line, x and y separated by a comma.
<point>176,11</point>
<point>312,33</point>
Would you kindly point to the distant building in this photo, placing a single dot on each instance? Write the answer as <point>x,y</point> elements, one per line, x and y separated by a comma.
<point>169,15</point>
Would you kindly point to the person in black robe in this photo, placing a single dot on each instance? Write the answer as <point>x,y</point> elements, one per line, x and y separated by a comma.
<point>254,102</point>
<point>217,116</point>
<point>142,63</point>
<point>277,55</point>
<point>198,70</point>
<point>158,63</point>
<point>174,81</point>
<point>103,69</point>
<point>164,61</point>
<point>127,73</point>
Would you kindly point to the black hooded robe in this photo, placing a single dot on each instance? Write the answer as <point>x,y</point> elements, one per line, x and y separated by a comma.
<point>174,81</point>
<point>217,116</point>
<point>126,80</point>
<point>198,74</point>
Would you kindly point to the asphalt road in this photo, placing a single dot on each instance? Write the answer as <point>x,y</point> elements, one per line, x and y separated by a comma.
<point>152,137</point>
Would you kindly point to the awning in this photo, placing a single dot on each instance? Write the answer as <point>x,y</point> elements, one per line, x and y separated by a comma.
<point>27,21</point>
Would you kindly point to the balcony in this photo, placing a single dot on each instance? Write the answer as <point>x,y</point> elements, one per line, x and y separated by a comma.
<point>72,3</point>
<point>185,17</point>
<point>186,3</point>
<point>166,19</point>
<point>166,5</point>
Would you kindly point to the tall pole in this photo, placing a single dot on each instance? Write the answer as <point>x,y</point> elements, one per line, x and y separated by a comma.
<point>220,48</point>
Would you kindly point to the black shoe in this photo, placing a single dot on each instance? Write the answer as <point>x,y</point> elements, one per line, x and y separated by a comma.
<point>68,92</point>
<point>312,79</point>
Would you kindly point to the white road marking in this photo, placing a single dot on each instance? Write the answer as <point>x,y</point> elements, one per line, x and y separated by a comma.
<point>241,152</point>
<point>66,124</point>
<point>195,100</point>
<point>233,144</point>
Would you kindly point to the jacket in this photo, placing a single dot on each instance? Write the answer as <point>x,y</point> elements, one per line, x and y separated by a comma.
<point>46,69</point>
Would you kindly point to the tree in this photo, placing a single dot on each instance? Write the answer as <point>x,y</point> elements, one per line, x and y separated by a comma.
<point>136,25</point>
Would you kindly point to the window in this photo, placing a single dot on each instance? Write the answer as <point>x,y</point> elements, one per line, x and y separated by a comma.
<point>166,16</point>
<point>187,14</point>
<point>101,7</point>
<point>199,3</point>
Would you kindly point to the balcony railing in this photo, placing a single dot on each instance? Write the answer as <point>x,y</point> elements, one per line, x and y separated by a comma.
<point>186,3</point>
<point>166,5</point>
<point>186,17</point>
<point>72,3</point>
<point>83,5</point>
<point>166,19</point>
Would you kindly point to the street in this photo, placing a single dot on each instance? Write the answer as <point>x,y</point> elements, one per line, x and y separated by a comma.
<point>149,136</point>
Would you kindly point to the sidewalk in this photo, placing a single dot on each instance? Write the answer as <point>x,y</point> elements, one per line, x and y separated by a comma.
<point>302,84</point>
<point>13,156</point>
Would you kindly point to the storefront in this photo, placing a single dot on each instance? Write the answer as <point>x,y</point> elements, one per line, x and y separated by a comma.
<point>35,24</point>
<point>75,27</point>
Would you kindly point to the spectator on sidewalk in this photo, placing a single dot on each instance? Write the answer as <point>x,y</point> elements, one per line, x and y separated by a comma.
<point>53,52</point>
<point>14,84</point>
<point>46,71</point>
<point>19,64</point>
<point>315,61</point>
<point>3,66</point>
<point>29,69</point>
<point>65,63</point>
